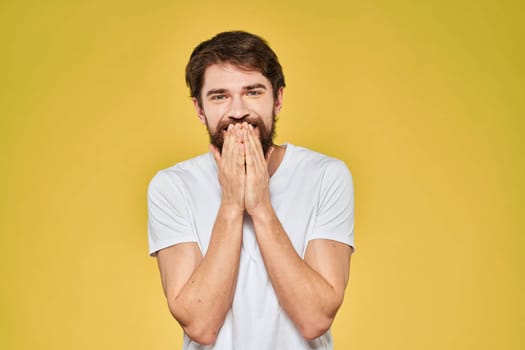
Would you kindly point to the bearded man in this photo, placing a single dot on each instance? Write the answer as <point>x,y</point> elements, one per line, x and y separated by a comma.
<point>253,240</point>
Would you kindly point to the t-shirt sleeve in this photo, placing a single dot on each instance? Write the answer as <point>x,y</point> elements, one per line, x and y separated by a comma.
<point>335,212</point>
<point>168,219</point>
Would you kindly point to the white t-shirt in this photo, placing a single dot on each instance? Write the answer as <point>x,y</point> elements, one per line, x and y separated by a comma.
<point>313,197</point>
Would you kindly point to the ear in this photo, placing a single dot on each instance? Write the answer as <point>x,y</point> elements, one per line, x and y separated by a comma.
<point>199,110</point>
<point>278,101</point>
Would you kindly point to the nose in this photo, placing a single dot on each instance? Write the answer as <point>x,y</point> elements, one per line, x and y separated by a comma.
<point>238,109</point>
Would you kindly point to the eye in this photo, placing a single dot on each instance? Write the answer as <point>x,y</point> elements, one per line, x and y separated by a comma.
<point>254,92</point>
<point>218,97</point>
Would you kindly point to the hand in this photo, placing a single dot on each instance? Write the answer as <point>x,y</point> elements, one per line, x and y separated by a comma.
<point>257,192</point>
<point>231,169</point>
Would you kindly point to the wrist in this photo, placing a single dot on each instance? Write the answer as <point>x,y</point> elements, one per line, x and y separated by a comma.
<point>231,211</point>
<point>262,213</point>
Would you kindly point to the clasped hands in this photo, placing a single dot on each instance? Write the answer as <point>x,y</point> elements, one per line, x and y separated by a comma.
<point>243,170</point>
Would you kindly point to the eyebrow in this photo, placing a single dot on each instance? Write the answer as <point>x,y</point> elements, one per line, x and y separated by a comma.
<point>246,88</point>
<point>215,91</point>
<point>254,86</point>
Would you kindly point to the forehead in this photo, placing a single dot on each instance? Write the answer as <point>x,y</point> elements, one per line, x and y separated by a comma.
<point>229,77</point>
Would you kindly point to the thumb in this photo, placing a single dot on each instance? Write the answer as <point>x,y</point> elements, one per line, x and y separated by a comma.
<point>216,154</point>
<point>269,154</point>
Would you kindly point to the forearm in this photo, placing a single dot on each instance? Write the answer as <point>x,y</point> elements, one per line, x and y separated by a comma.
<point>307,298</point>
<point>203,302</point>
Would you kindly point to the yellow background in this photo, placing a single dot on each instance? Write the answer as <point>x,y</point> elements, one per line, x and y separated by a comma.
<point>424,100</point>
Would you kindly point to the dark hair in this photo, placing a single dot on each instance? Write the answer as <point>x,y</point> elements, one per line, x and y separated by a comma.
<point>241,49</point>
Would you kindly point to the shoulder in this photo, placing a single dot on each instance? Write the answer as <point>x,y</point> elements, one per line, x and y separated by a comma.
<point>177,175</point>
<point>313,161</point>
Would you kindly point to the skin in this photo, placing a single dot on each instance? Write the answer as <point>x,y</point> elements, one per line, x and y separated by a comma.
<point>200,289</point>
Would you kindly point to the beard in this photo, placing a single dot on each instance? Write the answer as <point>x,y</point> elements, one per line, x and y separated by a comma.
<point>265,136</point>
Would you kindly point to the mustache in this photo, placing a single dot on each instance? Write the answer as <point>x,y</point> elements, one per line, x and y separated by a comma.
<point>265,135</point>
<point>255,122</point>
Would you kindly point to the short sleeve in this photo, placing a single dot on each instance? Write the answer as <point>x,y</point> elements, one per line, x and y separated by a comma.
<point>335,212</point>
<point>168,217</point>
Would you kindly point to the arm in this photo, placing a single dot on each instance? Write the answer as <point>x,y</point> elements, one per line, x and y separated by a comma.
<point>200,289</point>
<point>310,290</point>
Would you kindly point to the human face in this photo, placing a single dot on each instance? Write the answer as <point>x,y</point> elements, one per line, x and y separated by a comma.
<point>232,95</point>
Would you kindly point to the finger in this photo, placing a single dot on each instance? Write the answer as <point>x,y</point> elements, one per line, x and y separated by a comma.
<point>240,159</point>
<point>240,153</point>
<point>254,139</point>
<point>248,146</point>
<point>235,149</point>
<point>251,132</point>
<point>229,142</point>
<point>257,161</point>
<point>256,148</point>
<point>238,131</point>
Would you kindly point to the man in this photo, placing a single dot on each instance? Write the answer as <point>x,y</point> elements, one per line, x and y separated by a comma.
<point>253,240</point>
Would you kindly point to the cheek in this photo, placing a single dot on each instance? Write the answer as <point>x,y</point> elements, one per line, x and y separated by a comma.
<point>266,114</point>
<point>214,114</point>
<point>263,110</point>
